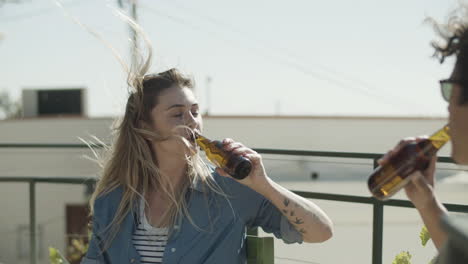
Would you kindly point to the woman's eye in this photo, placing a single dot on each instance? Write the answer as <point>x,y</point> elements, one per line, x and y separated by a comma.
<point>178,115</point>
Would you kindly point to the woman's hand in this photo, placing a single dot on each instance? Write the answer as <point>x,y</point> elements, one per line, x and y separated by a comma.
<point>420,189</point>
<point>257,177</point>
<point>421,193</point>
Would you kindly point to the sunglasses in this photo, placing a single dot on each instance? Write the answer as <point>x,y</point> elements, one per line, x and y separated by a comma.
<point>446,87</point>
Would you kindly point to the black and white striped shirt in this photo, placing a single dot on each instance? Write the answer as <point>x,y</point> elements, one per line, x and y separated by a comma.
<point>149,241</point>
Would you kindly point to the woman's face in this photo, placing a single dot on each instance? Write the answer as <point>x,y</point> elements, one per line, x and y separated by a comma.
<point>177,106</point>
<point>458,122</point>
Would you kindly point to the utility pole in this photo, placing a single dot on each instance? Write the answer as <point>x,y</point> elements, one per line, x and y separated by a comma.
<point>278,107</point>
<point>208,95</point>
<point>133,33</point>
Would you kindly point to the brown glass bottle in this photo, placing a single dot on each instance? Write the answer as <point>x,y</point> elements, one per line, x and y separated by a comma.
<point>388,179</point>
<point>235,165</point>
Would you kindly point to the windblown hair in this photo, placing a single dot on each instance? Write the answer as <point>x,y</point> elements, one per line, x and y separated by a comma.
<point>129,163</point>
<point>454,42</point>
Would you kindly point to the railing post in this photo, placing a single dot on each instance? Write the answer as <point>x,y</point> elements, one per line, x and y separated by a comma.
<point>377,233</point>
<point>32,223</point>
<point>377,229</point>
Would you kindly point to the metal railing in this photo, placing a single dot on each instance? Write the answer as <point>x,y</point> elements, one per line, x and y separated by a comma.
<point>378,206</point>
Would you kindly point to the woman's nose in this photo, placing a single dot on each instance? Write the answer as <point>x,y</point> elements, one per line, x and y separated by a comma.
<point>191,121</point>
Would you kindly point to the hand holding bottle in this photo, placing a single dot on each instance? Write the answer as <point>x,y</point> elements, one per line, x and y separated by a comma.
<point>420,189</point>
<point>257,176</point>
<point>235,165</point>
<point>398,167</point>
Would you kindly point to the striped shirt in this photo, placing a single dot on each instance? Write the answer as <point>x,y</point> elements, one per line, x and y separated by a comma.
<point>149,241</point>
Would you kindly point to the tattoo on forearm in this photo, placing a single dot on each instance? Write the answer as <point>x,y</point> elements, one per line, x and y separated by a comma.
<point>292,213</point>
<point>298,221</point>
<point>286,202</point>
<point>302,231</point>
<point>285,211</point>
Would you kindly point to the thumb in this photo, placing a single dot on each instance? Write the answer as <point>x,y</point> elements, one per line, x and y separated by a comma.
<point>255,158</point>
<point>420,182</point>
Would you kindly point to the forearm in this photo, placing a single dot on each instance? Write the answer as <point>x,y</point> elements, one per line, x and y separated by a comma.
<point>431,215</point>
<point>304,215</point>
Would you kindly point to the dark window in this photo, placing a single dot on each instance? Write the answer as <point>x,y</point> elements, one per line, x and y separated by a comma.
<point>57,102</point>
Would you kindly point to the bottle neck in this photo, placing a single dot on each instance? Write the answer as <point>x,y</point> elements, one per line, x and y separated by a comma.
<point>201,140</point>
<point>205,142</point>
<point>440,137</point>
<point>200,137</point>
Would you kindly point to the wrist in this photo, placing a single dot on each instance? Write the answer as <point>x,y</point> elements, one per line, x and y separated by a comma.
<point>422,196</point>
<point>430,203</point>
<point>264,188</point>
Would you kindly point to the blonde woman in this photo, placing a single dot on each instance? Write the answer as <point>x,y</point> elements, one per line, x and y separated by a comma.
<point>157,202</point>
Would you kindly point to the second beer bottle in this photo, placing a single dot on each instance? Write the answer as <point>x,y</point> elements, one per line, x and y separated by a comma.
<point>235,165</point>
<point>388,179</point>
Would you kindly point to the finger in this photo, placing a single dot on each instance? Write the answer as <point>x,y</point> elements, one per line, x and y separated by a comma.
<point>243,151</point>
<point>255,158</point>
<point>232,146</point>
<point>410,187</point>
<point>420,182</point>
<point>392,152</point>
<point>406,140</point>
<point>385,158</point>
<point>403,143</point>
<point>421,138</point>
<point>429,172</point>
<point>227,141</point>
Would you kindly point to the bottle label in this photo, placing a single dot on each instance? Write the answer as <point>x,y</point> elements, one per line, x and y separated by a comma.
<point>440,138</point>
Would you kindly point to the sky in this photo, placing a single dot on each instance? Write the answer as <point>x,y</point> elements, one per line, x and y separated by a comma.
<point>295,57</point>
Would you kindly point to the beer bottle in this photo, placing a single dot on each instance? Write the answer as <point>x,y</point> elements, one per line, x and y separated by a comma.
<point>235,165</point>
<point>388,179</point>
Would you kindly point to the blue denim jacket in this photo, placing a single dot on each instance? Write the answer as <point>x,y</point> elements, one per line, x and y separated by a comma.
<point>223,227</point>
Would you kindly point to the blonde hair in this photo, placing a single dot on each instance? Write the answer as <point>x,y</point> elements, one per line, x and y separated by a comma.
<point>129,161</point>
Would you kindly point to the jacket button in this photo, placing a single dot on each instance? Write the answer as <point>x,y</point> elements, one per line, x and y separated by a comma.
<point>132,261</point>
<point>173,249</point>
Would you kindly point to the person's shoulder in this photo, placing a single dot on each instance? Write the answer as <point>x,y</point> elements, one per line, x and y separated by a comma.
<point>244,200</point>
<point>233,188</point>
<point>109,200</point>
<point>224,182</point>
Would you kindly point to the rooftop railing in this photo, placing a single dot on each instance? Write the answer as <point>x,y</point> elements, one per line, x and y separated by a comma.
<point>378,206</point>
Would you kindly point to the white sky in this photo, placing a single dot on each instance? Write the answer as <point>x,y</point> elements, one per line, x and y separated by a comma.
<point>295,57</point>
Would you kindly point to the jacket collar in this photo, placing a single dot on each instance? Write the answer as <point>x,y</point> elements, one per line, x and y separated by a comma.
<point>201,185</point>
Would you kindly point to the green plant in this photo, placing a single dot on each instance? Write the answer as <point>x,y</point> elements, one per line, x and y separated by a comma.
<point>76,251</point>
<point>424,236</point>
<point>55,257</point>
<point>404,257</point>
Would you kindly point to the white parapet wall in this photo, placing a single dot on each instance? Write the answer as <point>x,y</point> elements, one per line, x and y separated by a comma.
<point>344,134</point>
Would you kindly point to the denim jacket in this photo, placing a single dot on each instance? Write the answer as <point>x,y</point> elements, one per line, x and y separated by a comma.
<point>221,221</point>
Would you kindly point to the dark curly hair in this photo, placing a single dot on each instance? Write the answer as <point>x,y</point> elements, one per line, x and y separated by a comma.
<point>454,41</point>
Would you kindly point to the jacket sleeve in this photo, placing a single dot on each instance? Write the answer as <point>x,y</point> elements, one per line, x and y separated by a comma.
<point>95,253</point>
<point>257,211</point>
<point>273,221</point>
